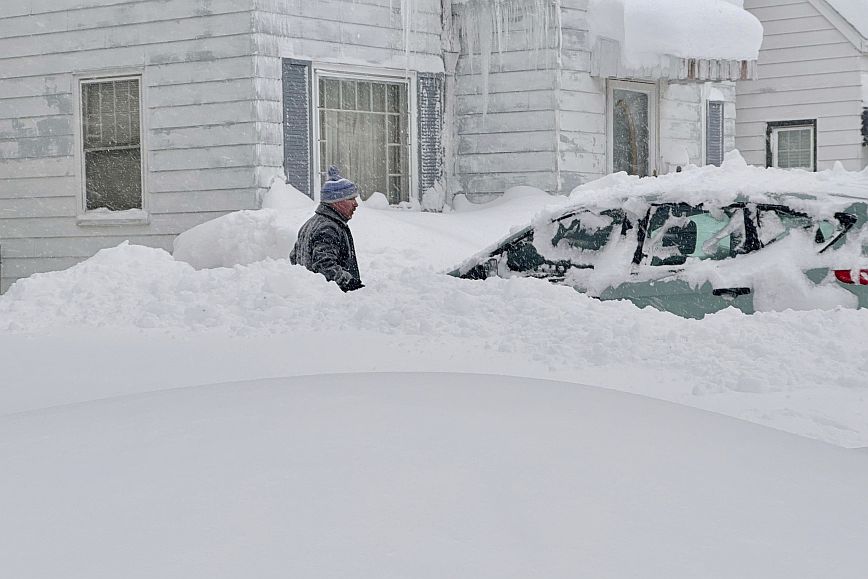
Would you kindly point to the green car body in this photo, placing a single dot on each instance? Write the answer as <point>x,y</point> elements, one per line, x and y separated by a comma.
<point>660,246</point>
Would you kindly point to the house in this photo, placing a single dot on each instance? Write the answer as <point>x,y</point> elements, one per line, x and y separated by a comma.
<point>808,107</point>
<point>136,120</point>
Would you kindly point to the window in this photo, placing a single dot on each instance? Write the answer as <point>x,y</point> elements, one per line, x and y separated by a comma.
<point>111,139</point>
<point>364,129</point>
<point>632,127</point>
<point>679,232</point>
<point>792,145</point>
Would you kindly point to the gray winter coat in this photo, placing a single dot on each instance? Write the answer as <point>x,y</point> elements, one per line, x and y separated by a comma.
<point>325,245</point>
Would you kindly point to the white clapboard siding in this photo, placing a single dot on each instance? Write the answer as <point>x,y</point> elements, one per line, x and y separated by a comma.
<point>808,69</point>
<point>199,115</point>
<point>515,141</point>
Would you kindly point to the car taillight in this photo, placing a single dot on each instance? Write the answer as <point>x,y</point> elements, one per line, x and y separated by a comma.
<point>846,276</point>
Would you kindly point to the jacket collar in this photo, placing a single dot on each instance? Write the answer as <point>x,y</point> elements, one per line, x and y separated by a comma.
<point>327,210</point>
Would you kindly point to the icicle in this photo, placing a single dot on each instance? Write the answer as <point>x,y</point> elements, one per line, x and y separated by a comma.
<point>485,25</point>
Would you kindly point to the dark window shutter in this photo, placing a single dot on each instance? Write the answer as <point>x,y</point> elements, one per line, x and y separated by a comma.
<point>714,134</point>
<point>865,127</point>
<point>430,98</point>
<point>296,124</point>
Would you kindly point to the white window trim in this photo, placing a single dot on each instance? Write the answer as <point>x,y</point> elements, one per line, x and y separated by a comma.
<point>370,74</point>
<point>653,92</point>
<point>105,217</point>
<point>774,144</point>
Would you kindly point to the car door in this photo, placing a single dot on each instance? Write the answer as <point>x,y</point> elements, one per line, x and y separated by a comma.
<point>674,236</point>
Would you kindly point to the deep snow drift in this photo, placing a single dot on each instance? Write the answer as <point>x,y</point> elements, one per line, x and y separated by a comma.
<point>134,319</point>
<point>409,475</point>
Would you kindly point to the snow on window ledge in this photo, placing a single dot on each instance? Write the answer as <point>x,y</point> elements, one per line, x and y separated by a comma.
<point>106,217</point>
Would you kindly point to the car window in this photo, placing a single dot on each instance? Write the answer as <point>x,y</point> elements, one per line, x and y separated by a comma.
<point>587,231</point>
<point>775,223</point>
<point>677,233</point>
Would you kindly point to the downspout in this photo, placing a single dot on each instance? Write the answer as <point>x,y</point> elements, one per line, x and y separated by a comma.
<point>451,49</point>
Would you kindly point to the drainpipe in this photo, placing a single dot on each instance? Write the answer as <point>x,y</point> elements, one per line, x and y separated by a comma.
<point>451,49</point>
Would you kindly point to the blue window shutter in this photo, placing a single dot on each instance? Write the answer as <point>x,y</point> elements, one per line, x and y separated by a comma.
<point>430,99</point>
<point>296,124</point>
<point>714,134</point>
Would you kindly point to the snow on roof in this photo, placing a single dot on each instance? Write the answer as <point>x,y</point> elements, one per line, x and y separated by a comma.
<point>855,12</point>
<point>649,30</point>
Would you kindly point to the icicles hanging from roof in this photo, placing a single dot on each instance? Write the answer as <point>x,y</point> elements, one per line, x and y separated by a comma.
<point>487,25</point>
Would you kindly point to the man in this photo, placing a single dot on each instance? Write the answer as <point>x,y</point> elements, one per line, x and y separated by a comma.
<point>325,244</point>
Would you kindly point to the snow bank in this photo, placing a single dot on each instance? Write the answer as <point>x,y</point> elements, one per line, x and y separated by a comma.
<point>428,476</point>
<point>518,326</point>
<point>648,30</point>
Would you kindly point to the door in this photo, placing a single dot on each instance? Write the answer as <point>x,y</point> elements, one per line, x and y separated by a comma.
<point>632,127</point>
<point>677,236</point>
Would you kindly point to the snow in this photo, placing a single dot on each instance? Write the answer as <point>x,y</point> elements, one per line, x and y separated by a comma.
<point>649,30</point>
<point>419,475</point>
<point>153,319</point>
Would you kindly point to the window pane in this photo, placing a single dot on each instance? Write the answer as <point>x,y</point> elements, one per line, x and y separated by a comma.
<point>378,97</point>
<point>114,179</point>
<point>630,110</point>
<point>348,95</point>
<point>394,128</point>
<point>331,89</point>
<point>394,100</point>
<point>364,95</point>
<point>795,148</point>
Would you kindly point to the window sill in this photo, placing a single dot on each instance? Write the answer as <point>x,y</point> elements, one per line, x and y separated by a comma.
<point>107,218</point>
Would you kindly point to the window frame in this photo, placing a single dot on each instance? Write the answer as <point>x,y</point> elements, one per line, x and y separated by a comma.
<point>773,128</point>
<point>652,89</point>
<point>408,79</point>
<point>103,216</point>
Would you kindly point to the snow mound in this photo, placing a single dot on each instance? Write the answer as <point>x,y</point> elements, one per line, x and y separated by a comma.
<point>419,475</point>
<point>710,184</point>
<point>238,238</point>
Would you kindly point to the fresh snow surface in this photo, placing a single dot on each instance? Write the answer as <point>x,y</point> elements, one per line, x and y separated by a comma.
<point>419,475</point>
<point>650,29</point>
<point>133,319</point>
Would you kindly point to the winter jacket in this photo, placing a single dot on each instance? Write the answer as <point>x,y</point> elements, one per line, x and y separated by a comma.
<point>325,245</point>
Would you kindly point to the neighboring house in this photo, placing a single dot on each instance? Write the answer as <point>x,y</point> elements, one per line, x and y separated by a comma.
<point>808,107</point>
<point>140,119</point>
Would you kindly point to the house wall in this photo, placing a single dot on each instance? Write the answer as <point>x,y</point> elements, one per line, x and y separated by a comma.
<point>546,124</point>
<point>807,69</point>
<point>507,137</point>
<point>682,119</point>
<point>368,35</point>
<point>200,142</point>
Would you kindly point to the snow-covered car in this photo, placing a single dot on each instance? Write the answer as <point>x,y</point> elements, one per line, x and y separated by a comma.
<point>694,246</point>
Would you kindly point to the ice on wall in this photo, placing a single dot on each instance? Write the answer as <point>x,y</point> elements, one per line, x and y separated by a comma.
<point>485,27</point>
<point>649,31</point>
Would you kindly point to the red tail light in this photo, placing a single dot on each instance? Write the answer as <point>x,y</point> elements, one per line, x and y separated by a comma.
<point>846,276</point>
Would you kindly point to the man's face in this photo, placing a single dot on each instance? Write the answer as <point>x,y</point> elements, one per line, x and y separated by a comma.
<point>346,207</point>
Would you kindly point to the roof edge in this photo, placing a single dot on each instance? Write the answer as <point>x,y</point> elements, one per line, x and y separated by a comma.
<point>842,24</point>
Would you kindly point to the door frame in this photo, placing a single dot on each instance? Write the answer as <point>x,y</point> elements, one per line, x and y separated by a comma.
<point>651,89</point>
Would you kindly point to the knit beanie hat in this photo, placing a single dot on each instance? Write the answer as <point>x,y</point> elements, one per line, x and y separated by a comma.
<point>337,188</point>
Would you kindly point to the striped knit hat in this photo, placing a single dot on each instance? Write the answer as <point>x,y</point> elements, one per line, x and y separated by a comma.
<point>337,188</point>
